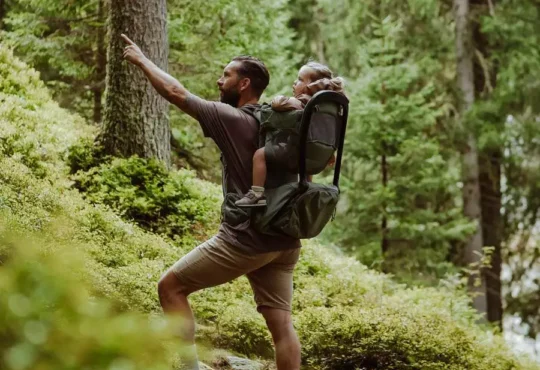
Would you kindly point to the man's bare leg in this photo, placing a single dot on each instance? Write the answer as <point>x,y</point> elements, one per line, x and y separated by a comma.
<point>287,345</point>
<point>173,300</point>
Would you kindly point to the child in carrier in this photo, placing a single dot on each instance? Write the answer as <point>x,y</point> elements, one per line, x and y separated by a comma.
<point>312,78</point>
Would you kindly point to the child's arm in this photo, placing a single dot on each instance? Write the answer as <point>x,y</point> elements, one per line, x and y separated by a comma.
<point>283,104</point>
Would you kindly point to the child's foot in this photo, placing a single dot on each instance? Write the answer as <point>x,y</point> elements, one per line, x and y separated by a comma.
<point>252,199</point>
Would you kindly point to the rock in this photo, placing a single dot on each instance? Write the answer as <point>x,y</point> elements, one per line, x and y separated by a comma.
<point>238,363</point>
<point>203,366</point>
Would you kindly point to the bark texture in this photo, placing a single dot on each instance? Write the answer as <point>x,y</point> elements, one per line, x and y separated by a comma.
<point>135,117</point>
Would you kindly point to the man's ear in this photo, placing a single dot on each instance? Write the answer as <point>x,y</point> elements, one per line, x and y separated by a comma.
<point>245,83</point>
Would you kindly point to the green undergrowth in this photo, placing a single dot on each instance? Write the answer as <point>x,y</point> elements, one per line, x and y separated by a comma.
<point>347,316</point>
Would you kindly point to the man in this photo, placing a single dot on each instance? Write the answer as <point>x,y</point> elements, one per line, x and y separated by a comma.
<point>236,250</point>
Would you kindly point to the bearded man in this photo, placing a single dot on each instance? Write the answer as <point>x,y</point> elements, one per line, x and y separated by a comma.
<point>237,249</point>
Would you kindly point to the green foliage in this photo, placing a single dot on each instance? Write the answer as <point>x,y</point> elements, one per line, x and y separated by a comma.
<point>388,338</point>
<point>509,120</point>
<point>174,203</point>
<point>218,30</point>
<point>62,42</point>
<point>50,320</point>
<point>347,316</point>
<point>24,107</point>
<point>84,155</point>
<point>396,167</point>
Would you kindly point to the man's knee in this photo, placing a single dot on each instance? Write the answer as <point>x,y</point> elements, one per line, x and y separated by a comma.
<point>169,285</point>
<point>279,321</point>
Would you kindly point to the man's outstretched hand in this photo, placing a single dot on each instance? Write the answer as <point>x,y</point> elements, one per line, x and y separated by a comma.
<point>132,53</point>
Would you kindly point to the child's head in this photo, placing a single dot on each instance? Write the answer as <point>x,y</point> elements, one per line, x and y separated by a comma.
<point>314,77</point>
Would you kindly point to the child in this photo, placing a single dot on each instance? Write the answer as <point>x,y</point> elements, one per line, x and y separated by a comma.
<point>312,78</point>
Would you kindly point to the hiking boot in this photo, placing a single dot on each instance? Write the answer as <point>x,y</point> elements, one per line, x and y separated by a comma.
<point>251,199</point>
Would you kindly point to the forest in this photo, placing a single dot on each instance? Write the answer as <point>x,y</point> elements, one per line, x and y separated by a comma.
<point>431,262</point>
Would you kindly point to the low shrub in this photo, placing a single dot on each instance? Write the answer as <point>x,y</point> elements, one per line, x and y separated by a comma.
<point>84,155</point>
<point>50,320</point>
<point>171,203</point>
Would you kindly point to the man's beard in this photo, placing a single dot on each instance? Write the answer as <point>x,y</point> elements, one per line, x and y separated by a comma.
<point>231,97</point>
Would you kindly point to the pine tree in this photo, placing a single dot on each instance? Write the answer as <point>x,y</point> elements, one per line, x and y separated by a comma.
<point>64,43</point>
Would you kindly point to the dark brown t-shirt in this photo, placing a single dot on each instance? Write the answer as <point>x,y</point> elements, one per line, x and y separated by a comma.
<point>236,135</point>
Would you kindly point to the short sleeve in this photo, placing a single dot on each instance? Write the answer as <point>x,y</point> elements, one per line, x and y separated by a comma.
<point>213,116</point>
<point>234,132</point>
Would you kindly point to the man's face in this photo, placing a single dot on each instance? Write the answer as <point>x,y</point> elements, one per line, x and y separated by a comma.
<point>229,85</point>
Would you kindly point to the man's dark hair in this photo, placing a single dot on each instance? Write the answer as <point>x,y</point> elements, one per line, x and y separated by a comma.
<point>254,69</point>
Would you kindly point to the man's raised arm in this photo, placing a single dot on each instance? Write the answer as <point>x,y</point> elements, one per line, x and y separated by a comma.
<point>166,85</point>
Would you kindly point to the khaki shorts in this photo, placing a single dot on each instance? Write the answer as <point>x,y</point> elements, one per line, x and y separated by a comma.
<point>217,262</point>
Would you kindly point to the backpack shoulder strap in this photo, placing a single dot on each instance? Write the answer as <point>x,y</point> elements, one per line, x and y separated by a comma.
<point>260,113</point>
<point>254,110</point>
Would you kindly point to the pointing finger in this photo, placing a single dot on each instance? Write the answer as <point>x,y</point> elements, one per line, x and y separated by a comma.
<point>127,40</point>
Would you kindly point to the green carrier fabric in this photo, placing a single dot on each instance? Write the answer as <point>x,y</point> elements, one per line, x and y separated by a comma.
<point>296,207</point>
<point>280,136</point>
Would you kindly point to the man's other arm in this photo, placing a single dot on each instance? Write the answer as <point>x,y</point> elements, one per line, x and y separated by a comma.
<point>166,85</point>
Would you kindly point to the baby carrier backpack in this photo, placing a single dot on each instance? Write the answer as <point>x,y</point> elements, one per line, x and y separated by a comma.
<point>297,144</point>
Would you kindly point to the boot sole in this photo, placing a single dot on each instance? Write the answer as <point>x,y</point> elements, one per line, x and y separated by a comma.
<point>258,204</point>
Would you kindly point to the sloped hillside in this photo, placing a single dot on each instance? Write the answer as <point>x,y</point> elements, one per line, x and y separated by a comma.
<point>348,317</point>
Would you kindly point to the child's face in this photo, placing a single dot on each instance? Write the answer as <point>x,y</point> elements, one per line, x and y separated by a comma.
<point>305,77</point>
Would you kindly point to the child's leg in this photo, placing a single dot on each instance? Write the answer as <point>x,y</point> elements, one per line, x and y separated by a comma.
<point>259,168</point>
<point>255,197</point>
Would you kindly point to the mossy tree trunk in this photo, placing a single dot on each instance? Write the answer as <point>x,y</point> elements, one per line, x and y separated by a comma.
<point>135,117</point>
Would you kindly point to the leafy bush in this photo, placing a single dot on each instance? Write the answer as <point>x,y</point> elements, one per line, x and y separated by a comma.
<point>84,155</point>
<point>172,203</point>
<point>49,320</point>
<point>32,127</point>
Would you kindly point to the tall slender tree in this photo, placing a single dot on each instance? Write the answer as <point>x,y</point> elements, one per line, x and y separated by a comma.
<point>471,186</point>
<point>136,119</point>
<point>489,159</point>
<point>100,62</point>
<point>2,13</point>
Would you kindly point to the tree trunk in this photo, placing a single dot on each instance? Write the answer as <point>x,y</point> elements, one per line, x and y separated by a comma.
<point>2,13</point>
<point>101,63</point>
<point>490,160</point>
<point>317,39</point>
<point>136,119</point>
<point>470,175</point>
<point>384,223</point>
<point>490,187</point>
<point>97,104</point>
